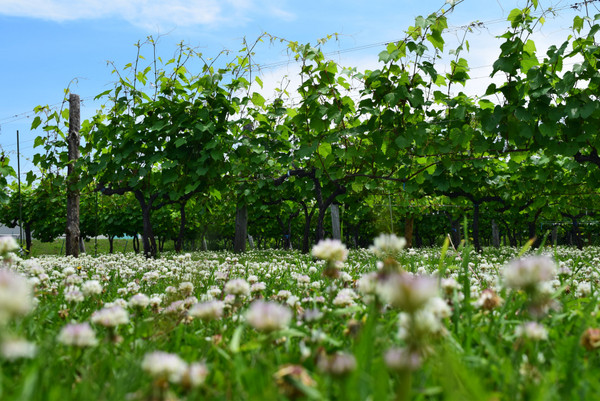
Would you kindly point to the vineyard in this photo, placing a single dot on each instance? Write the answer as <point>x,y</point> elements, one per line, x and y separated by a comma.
<point>488,291</point>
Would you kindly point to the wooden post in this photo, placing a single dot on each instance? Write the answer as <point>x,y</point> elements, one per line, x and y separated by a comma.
<point>495,234</point>
<point>336,232</point>
<point>408,230</point>
<point>241,229</point>
<point>20,200</point>
<point>72,230</point>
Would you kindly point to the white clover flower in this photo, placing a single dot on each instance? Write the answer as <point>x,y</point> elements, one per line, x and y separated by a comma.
<point>419,325</point>
<point>207,310</point>
<point>195,375</point>
<point>331,250</point>
<point>176,307</point>
<point>73,279</point>
<point>407,292</point>
<point>186,287</point>
<point>345,297</point>
<point>155,301</point>
<point>238,287</point>
<point>17,348</point>
<point>488,300</point>
<point>229,299</point>
<point>345,277</point>
<point>91,287</point>
<point>117,302</point>
<point>387,245</point>
<point>78,335</point>
<point>214,292</point>
<point>584,289</point>
<point>532,331</point>
<point>367,283</point>
<point>284,294</point>
<point>159,364</point>
<point>171,290</point>
<point>293,301</point>
<point>257,287</point>
<point>73,294</point>
<point>529,273</point>
<point>16,296</point>
<point>140,301</point>
<point>338,364</point>
<point>7,244</point>
<point>402,359</point>
<point>268,316</point>
<point>110,316</point>
<point>438,307</point>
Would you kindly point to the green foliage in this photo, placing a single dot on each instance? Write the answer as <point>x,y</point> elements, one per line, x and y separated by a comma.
<point>195,130</point>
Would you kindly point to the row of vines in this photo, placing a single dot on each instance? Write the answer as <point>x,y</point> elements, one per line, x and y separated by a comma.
<point>181,146</point>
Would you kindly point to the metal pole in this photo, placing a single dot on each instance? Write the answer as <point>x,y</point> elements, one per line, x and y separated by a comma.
<point>391,216</point>
<point>96,239</point>
<point>72,231</point>
<point>20,201</point>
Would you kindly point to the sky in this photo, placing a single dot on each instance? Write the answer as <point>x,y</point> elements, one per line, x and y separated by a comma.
<point>49,45</point>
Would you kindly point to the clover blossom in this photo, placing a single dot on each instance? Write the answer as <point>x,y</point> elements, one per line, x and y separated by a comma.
<point>268,316</point>
<point>406,291</point>
<point>16,295</point>
<point>164,365</point>
<point>78,335</point>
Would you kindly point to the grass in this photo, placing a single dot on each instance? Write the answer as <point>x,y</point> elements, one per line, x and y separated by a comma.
<point>93,247</point>
<point>336,344</point>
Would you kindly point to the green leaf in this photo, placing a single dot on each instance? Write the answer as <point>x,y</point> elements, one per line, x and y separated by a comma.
<point>234,345</point>
<point>523,114</point>
<point>324,149</point>
<point>291,113</point>
<point>588,109</point>
<point>36,122</point>
<point>548,129</point>
<point>257,99</point>
<point>515,17</point>
<point>180,141</point>
<point>215,193</point>
<point>39,141</point>
<point>578,23</point>
<point>357,186</point>
<point>436,39</point>
<point>98,96</point>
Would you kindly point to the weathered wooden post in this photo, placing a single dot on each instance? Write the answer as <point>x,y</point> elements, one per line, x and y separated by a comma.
<point>554,235</point>
<point>241,229</point>
<point>408,230</point>
<point>336,231</point>
<point>72,229</point>
<point>495,234</point>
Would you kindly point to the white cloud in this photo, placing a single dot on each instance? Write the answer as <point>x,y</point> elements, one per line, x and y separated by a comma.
<point>149,14</point>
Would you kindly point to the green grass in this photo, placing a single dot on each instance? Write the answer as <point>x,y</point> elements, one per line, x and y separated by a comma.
<point>92,247</point>
<point>468,353</point>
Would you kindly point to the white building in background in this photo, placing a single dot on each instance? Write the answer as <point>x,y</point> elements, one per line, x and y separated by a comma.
<point>9,231</point>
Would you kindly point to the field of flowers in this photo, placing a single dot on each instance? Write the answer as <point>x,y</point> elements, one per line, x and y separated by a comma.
<point>380,324</point>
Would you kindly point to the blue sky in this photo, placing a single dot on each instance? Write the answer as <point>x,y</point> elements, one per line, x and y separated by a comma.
<point>48,43</point>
